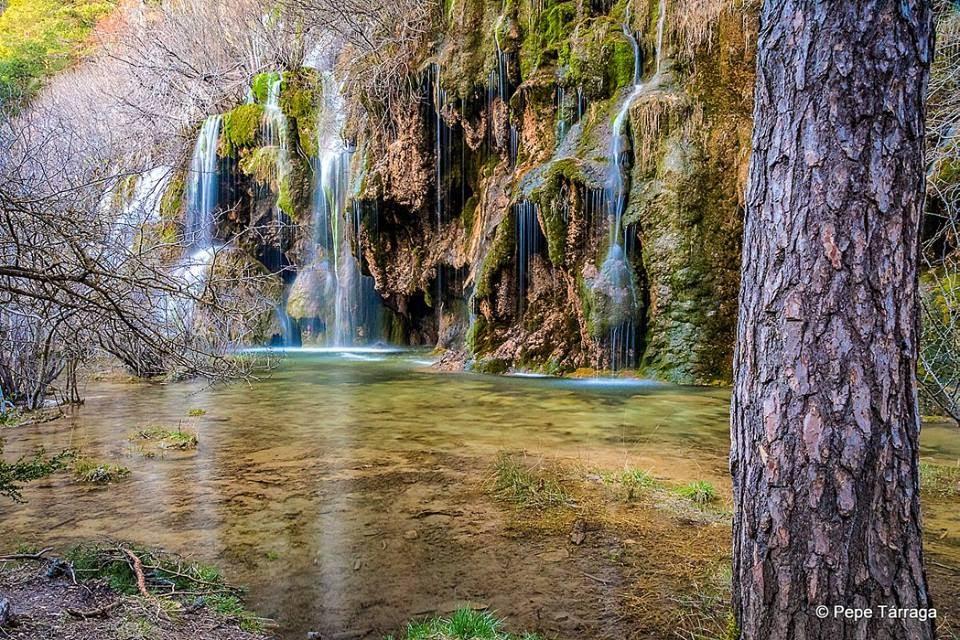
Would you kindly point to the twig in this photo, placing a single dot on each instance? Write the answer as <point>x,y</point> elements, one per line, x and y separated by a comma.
<point>596,579</point>
<point>138,569</point>
<point>38,556</point>
<point>99,612</point>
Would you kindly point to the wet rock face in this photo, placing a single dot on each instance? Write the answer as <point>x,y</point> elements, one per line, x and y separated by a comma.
<point>527,122</point>
<point>614,292</point>
<point>515,111</point>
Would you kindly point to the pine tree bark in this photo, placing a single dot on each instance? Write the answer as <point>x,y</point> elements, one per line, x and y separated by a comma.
<point>824,422</point>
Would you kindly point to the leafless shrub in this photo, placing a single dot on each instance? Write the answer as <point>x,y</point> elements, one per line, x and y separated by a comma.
<point>379,46</point>
<point>940,286</point>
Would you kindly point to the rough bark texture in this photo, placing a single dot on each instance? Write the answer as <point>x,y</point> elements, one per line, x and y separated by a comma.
<point>824,416</point>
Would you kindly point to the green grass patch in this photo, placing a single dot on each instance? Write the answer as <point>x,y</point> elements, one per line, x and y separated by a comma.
<point>699,492</point>
<point>169,578</point>
<point>39,38</point>
<point>168,438</point>
<point>463,624</point>
<point>528,484</point>
<point>95,472</point>
<point>232,608</point>
<point>636,482</point>
<point>940,480</point>
<point>11,418</point>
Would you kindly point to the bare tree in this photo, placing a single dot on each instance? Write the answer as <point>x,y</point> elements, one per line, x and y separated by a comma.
<point>378,44</point>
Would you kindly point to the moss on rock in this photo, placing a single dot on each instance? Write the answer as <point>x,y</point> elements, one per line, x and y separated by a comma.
<point>241,127</point>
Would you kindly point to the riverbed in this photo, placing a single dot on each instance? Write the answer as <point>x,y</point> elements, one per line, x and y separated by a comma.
<point>350,490</point>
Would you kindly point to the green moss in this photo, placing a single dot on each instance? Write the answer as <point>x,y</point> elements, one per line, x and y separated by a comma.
<point>596,328</point>
<point>469,212</point>
<point>260,86</point>
<point>551,195</point>
<point>241,127</point>
<point>171,204</point>
<point>548,38</point>
<point>491,366</point>
<point>476,332</point>
<point>260,164</point>
<point>498,256</point>
<point>620,69</point>
<point>300,100</point>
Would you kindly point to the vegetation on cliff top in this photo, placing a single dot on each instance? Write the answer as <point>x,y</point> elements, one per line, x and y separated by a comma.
<point>39,38</point>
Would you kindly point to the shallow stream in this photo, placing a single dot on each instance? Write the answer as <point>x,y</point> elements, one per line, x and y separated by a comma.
<point>347,488</point>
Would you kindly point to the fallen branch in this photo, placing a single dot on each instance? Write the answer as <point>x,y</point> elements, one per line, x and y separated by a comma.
<point>137,567</point>
<point>38,556</point>
<point>99,612</point>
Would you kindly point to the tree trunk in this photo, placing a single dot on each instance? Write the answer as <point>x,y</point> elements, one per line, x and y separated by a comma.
<point>824,422</point>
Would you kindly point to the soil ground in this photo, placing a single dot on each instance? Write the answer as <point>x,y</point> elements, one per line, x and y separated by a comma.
<point>42,607</point>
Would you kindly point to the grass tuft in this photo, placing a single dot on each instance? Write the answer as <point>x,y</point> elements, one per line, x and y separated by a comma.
<point>169,438</point>
<point>699,492</point>
<point>463,624</point>
<point>94,472</point>
<point>528,485</point>
<point>636,482</point>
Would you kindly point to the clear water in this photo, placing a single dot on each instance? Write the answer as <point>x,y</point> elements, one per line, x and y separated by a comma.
<point>306,484</point>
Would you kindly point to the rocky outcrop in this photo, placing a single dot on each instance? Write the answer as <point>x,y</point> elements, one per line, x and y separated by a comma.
<point>516,131</point>
<point>485,193</point>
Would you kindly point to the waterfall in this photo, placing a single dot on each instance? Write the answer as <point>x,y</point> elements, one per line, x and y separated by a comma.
<point>568,115</point>
<point>616,278</point>
<point>661,20</point>
<point>498,87</point>
<point>274,120</point>
<point>139,207</point>
<point>202,192</point>
<point>330,295</point>
<point>193,267</point>
<point>529,241</point>
<point>618,150</point>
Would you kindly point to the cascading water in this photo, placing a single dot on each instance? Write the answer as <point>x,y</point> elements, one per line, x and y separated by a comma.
<point>274,130</point>
<point>200,246</point>
<point>204,185</point>
<point>616,281</point>
<point>499,90</point>
<point>529,242</point>
<point>337,305</point>
<point>568,114</point>
<point>141,207</point>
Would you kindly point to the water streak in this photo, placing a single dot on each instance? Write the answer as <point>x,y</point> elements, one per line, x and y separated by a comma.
<point>337,305</point>
<point>202,192</point>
